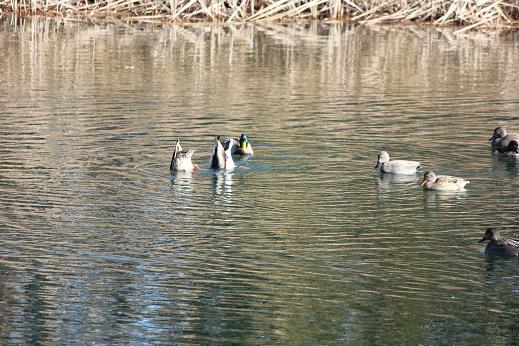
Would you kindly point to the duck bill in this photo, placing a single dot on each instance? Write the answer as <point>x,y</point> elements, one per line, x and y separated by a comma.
<point>482,240</point>
<point>422,183</point>
<point>492,138</point>
<point>243,145</point>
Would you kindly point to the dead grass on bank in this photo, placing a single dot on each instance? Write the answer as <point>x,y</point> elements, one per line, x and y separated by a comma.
<point>467,13</point>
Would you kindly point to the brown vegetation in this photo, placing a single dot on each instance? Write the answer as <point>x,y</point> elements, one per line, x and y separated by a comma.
<point>467,13</point>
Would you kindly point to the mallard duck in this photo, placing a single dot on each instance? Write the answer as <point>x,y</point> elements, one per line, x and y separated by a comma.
<point>442,182</point>
<point>396,166</point>
<point>240,146</point>
<point>501,139</point>
<point>512,149</point>
<point>221,158</point>
<point>181,160</point>
<point>498,245</point>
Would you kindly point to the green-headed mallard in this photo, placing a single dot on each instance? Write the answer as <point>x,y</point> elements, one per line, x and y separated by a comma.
<point>240,146</point>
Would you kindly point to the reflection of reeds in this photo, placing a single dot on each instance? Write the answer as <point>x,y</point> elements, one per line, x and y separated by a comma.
<point>470,13</point>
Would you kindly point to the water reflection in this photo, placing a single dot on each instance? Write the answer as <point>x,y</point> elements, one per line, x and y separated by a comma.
<point>183,177</point>
<point>505,164</point>
<point>222,185</point>
<point>394,182</point>
<point>182,184</point>
<point>433,197</point>
<point>304,243</point>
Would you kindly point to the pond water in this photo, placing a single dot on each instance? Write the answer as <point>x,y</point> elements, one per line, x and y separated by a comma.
<point>304,243</point>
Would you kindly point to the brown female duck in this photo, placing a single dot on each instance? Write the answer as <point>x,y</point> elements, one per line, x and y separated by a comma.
<point>501,246</point>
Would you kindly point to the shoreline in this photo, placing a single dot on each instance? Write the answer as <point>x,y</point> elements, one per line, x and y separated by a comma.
<point>443,13</point>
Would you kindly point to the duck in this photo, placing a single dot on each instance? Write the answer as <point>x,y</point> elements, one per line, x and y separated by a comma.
<point>443,182</point>
<point>240,146</point>
<point>181,159</point>
<point>512,149</point>
<point>396,166</point>
<point>501,139</point>
<point>501,246</point>
<point>221,158</point>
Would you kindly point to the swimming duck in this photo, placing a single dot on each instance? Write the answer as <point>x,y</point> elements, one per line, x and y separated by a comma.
<point>240,146</point>
<point>442,182</point>
<point>221,158</point>
<point>501,139</point>
<point>181,160</point>
<point>512,149</point>
<point>498,245</point>
<point>396,166</point>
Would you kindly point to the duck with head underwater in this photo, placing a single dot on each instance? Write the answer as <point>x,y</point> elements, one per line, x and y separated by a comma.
<point>221,157</point>
<point>240,146</point>
<point>181,160</point>
<point>501,246</point>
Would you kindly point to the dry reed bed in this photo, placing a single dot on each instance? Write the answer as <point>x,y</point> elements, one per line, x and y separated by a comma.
<point>467,13</point>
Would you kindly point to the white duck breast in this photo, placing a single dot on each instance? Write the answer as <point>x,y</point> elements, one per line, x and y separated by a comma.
<point>396,166</point>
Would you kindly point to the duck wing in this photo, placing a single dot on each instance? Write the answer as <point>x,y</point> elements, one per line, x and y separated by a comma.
<point>501,144</point>
<point>448,179</point>
<point>510,242</point>
<point>405,163</point>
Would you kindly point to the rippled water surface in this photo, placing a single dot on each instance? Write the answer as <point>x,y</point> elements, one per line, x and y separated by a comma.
<point>304,243</point>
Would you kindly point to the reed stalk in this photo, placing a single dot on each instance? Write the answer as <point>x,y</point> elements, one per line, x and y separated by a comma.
<point>468,14</point>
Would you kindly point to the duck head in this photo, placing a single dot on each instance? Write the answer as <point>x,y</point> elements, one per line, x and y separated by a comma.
<point>244,141</point>
<point>428,177</point>
<point>499,132</point>
<point>383,156</point>
<point>491,234</point>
